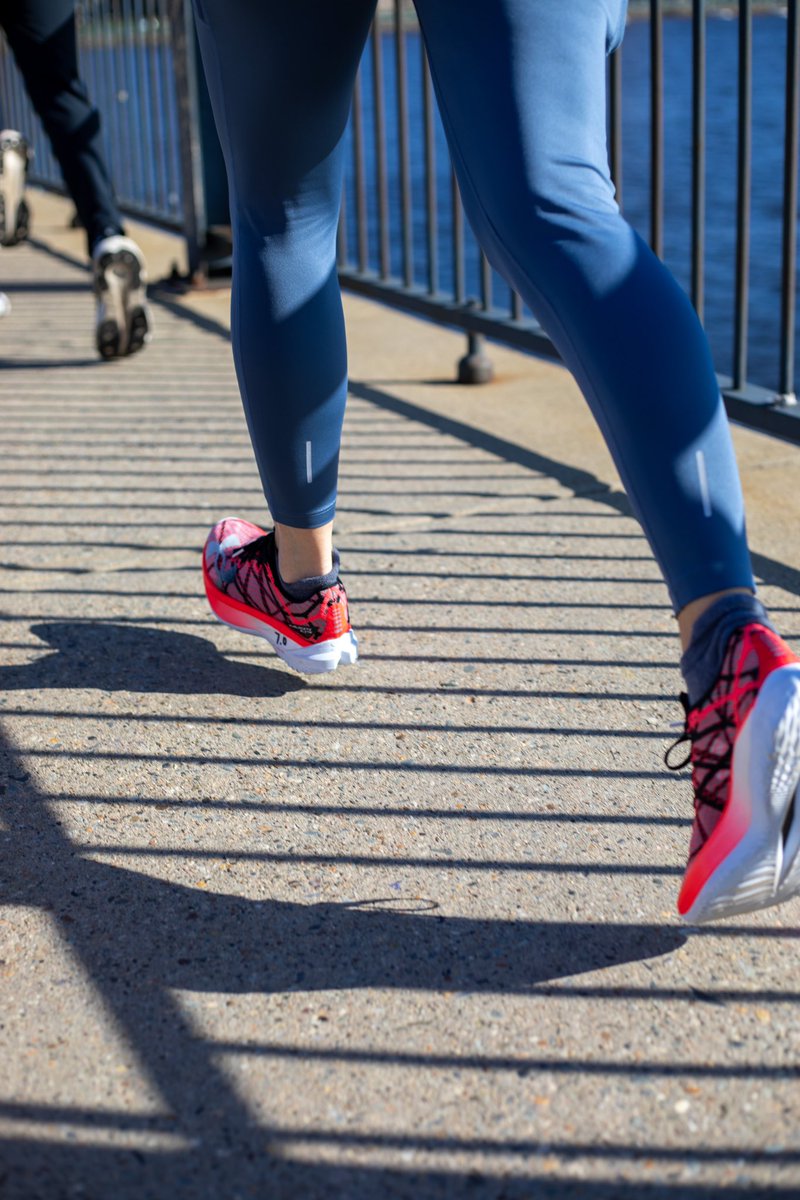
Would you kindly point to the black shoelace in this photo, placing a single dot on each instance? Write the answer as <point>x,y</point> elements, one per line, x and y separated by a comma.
<point>255,551</point>
<point>707,765</point>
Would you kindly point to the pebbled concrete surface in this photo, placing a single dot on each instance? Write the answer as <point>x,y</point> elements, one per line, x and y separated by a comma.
<point>407,931</point>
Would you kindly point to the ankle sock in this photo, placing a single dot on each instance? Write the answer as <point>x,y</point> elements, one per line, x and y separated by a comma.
<point>702,661</point>
<point>304,589</point>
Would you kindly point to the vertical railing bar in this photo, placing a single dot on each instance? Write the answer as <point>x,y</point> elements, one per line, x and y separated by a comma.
<point>133,80</point>
<point>516,305</point>
<point>743,192</point>
<point>362,216</point>
<point>380,152</point>
<point>49,164</point>
<point>789,266</point>
<point>115,138</point>
<point>431,216</point>
<point>458,240</point>
<point>615,121</point>
<point>4,78</point>
<point>698,154</point>
<point>657,127</point>
<point>182,44</point>
<point>131,151</point>
<point>8,82</point>
<point>128,64</point>
<point>157,107</point>
<point>143,100</point>
<point>168,79</point>
<point>4,74</point>
<point>407,226</point>
<point>14,99</point>
<point>131,83</point>
<point>152,109</point>
<point>486,282</point>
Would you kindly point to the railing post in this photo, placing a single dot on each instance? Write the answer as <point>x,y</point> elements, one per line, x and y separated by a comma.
<point>191,157</point>
<point>475,366</point>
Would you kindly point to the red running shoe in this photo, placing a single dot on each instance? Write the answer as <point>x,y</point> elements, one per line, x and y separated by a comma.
<point>241,578</point>
<point>745,756</point>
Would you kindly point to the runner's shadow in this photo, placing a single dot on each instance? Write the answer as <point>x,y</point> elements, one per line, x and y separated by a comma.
<point>132,658</point>
<point>125,926</point>
<point>217,943</point>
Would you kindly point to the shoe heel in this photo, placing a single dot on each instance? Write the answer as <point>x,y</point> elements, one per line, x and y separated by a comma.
<point>756,865</point>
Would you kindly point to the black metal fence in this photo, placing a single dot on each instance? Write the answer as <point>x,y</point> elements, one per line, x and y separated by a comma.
<point>127,62</point>
<point>404,240</point>
<point>138,62</point>
<point>403,236</point>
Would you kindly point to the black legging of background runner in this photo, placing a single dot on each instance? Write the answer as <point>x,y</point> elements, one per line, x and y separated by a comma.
<point>42,35</point>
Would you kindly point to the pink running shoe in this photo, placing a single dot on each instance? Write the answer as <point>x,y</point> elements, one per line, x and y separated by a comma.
<point>241,578</point>
<point>745,756</point>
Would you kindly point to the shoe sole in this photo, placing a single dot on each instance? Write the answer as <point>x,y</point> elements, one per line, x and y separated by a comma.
<point>118,283</point>
<point>313,659</point>
<point>752,859</point>
<point>14,214</point>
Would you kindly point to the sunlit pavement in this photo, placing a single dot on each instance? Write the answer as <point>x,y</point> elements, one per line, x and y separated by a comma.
<point>408,930</point>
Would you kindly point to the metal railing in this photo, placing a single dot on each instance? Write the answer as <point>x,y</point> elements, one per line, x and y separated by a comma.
<point>135,60</point>
<point>403,237</point>
<point>127,63</point>
<point>406,243</point>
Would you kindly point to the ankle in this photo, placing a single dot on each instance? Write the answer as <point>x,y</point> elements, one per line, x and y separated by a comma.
<point>690,615</point>
<point>304,553</point>
<point>702,660</point>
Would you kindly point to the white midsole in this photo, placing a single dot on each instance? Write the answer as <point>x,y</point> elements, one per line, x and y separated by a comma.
<point>313,659</point>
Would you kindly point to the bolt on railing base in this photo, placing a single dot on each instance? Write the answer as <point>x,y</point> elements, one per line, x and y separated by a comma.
<point>786,400</point>
<point>475,366</point>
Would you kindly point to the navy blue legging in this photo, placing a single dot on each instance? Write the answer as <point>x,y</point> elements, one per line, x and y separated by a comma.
<point>522,90</point>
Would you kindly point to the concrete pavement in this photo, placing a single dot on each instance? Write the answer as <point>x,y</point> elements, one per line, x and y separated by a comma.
<point>406,931</point>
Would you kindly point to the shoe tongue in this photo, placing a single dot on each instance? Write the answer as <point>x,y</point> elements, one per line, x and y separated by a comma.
<point>259,550</point>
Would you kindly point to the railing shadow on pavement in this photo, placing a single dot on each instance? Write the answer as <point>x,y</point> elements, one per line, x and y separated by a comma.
<point>140,939</point>
<point>582,483</point>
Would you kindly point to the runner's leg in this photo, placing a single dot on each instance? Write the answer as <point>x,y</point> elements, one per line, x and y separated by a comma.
<point>522,88</point>
<point>281,79</point>
<point>521,85</point>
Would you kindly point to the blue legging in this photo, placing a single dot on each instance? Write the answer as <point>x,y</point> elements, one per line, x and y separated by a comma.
<point>521,87</point>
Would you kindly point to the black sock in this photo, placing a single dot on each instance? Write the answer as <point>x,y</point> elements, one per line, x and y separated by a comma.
<point>303,589</point>
<point>702,662</point>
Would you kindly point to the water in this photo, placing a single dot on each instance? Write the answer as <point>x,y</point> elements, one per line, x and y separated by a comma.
<point>768,145</point>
